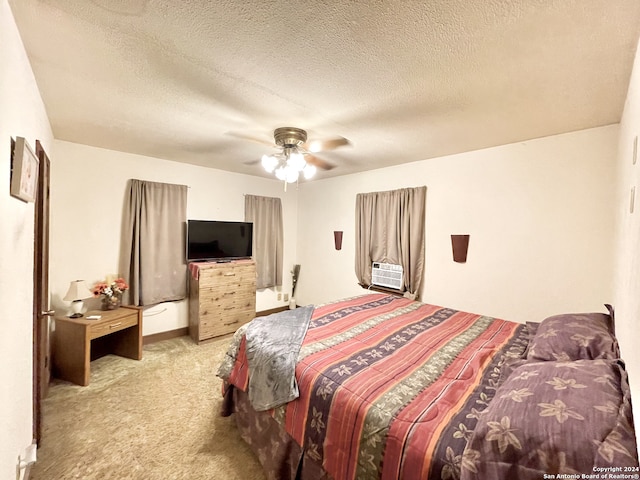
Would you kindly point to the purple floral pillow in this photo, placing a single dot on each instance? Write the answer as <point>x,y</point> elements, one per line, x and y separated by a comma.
<point>574,336</point>
<point>551,418</point>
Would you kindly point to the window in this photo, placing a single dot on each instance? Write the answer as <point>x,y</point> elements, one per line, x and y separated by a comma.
<point>390,229</point>
<point>266,215</point>
<point>152,254</point>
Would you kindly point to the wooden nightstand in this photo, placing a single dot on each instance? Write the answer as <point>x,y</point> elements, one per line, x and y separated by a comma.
<point>78,341</point>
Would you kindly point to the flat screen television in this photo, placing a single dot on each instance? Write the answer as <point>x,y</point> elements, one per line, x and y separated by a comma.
<point>210,240</point>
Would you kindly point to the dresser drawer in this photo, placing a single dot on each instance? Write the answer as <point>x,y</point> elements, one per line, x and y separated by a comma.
<point>238,275</point>
<point>115,325</point>
<point>227,324</point>
<point>220,314</point>
<point>215,295</point>
<point>226,301</point>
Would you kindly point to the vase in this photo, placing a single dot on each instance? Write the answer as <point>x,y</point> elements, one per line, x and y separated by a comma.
<point>111,302</point>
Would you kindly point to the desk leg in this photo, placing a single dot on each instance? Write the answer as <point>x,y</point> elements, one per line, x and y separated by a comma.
<point>72,354</point>
<point>132,344</point>
<point>128,343</point>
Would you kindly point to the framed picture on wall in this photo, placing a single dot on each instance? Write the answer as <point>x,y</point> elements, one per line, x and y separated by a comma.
<point>24,171</point>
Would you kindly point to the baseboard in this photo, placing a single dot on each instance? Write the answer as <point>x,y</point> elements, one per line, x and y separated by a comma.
<point>264,313</point>
<point>158,337</point>
<point>181,332</point>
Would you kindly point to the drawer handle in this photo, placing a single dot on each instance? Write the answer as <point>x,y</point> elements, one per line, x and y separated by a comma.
<point>230,274</point>
<point>114,325</point>
<point>230,323</point>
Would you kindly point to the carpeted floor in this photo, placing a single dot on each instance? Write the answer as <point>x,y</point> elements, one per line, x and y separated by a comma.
<point>154,419</point>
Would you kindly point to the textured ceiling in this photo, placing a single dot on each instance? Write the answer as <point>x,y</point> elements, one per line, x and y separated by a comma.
<point>402,80</point>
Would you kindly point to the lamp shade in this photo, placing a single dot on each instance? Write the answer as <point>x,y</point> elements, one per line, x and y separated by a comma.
<point>77,291</point>
<point>269,163</point>
<point>296,161</point>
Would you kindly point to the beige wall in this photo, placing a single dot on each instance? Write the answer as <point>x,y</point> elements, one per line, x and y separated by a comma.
<point>21,114</point>
<point>627,260</point>
<point>87,192</point>
<point>538,212</point>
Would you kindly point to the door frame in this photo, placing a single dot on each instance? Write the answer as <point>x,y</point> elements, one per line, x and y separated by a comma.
<point>41,323</point>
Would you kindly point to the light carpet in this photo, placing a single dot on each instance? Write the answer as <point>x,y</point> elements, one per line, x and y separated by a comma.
<point>154,419</point>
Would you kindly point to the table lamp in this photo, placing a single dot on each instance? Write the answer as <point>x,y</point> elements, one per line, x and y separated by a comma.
<point>77,292</point>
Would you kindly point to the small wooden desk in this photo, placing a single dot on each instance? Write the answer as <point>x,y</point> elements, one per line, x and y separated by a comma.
<point>78,341</point>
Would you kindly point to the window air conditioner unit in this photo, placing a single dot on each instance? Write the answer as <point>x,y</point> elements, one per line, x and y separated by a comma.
<point>386,275</point>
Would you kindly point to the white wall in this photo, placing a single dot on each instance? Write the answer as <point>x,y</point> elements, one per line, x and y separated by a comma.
<point>22,114</point>
<point>88,187</point>
<point>627,261</point>
<point>538,212</point>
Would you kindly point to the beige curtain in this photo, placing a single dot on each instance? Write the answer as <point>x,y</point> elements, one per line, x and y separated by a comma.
<point>266,215</point>
<point>390,229</point>
<point>152,253</point>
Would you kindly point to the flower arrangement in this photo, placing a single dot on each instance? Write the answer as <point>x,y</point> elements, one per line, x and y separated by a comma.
<point>110,292</point>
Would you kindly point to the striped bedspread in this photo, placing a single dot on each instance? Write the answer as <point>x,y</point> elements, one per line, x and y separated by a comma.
<point>391,388</point>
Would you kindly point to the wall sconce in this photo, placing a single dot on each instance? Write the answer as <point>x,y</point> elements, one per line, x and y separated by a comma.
<point>337,239</point>
<point>77,292</point>
<point>460,245</point>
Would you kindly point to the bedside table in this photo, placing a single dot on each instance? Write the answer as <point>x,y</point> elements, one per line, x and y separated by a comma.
<point>78,341</point>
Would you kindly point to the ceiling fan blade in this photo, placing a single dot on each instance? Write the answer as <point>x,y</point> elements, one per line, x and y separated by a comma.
<point>318,162</point>
<point>251,138</point>
<point>324,145</point>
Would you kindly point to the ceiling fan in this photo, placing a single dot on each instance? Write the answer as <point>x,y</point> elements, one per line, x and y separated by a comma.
<point>295,154</point>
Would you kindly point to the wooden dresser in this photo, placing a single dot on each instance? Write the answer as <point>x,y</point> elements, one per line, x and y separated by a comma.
<point>222,297</point>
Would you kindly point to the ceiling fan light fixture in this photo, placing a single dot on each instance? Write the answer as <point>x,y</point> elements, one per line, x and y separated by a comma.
<point>296,161</point>
<point>315,146</point>
<point>309,171</point>
<point>287,174</point>
<point>294,158</point>
<point>269,163</point>
<point>292,175</point>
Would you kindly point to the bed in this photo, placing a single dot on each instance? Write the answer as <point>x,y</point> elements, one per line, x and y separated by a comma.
<point>385,387</point>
